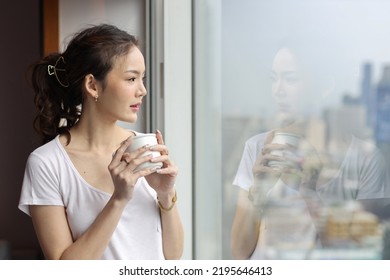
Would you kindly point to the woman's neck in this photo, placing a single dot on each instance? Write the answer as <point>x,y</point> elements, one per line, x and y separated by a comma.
<point>94,135</point>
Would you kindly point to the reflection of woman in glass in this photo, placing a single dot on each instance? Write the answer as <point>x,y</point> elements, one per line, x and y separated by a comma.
<point>279,204</point>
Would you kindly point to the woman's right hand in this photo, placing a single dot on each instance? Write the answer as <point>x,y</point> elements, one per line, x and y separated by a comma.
<point>261,170</point>
<point>276,161</point>
<point>264,176</point>
<point>293,165</point>
<point>122,168</point>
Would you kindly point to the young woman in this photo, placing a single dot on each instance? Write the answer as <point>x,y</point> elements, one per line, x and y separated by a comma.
<point>80,188</point>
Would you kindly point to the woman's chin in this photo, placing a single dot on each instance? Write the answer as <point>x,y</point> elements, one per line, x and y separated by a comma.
<point>131,119</point>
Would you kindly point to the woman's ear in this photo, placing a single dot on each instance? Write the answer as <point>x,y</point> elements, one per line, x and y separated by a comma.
<point>90,86</point>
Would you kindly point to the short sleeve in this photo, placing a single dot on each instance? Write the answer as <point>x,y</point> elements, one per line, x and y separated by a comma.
<point>374,182</point>
<point>40,184</point>
<point>244,175</point>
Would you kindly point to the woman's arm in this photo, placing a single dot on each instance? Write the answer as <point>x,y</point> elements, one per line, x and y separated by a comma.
<point>245,229</point>
<point>172,229</point>
<point>163,182</point>
<point>55,237</point>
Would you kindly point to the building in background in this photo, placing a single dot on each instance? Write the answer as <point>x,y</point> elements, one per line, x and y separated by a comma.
<point>382,120</point>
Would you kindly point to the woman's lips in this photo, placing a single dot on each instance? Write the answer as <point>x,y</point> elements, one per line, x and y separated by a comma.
<point>135,107</point>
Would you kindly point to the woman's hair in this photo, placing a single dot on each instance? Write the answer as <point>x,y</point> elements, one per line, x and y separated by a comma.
<point>57,78</point>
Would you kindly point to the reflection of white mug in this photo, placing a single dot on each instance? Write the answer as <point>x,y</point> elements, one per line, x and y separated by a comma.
<point>283,138</point>
<point>141,140</point>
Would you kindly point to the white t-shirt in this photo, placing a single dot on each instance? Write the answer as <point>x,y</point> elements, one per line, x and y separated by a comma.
<point>362,175</point>
<point>51,179</point>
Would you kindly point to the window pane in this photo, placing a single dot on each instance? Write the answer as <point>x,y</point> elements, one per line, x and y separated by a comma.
<point>314,69</point>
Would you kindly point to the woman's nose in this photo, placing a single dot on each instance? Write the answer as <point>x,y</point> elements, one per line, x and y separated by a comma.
<point>278,89</point>
<point>142,90</point>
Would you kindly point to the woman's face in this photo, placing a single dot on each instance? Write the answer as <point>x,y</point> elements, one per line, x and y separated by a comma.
<point>122,96</point>
<point>291,87</point>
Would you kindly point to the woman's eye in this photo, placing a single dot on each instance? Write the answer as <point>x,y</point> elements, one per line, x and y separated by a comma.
<point>292,79</point>
<point>131,79</point>
<point>273,78</point>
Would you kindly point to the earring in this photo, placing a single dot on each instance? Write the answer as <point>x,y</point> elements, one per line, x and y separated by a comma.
<point>96,97</point>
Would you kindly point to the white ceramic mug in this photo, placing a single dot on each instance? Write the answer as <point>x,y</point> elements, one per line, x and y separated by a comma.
<point>141,140</point>
<point>283,138</point>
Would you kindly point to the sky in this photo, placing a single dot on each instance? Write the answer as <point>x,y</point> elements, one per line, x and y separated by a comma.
<point>346,33</point>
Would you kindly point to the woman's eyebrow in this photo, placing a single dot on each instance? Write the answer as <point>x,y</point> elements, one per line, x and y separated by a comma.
<point>289,72</point>
<point>284,72</point>
<point>132,71</point>
<point>135,72</point>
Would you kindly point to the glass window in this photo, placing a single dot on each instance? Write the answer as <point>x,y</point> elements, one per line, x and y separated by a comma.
<point>319,72</point>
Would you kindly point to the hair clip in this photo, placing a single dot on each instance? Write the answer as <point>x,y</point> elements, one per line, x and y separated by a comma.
<point>53,70</point>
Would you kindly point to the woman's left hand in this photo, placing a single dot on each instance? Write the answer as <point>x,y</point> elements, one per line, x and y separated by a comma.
<point>163,180</point>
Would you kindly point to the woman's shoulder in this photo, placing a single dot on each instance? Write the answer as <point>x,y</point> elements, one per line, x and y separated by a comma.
<point>47,149</point>
<point>255,143</point>
<point>257,139</point>
<point>364,148</point>
<point>47,156</point>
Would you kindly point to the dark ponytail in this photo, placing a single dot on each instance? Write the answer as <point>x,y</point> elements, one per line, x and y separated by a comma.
<point>57,78</point>
<point>55,113</point>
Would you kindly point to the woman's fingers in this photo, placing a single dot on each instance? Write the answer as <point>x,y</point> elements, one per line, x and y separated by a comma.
<point>122,148</point>
<point>160,139</point>
<point>118,154</point>
<point>161,145</point>
<point>128,160</point>
<point>123,160</point>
